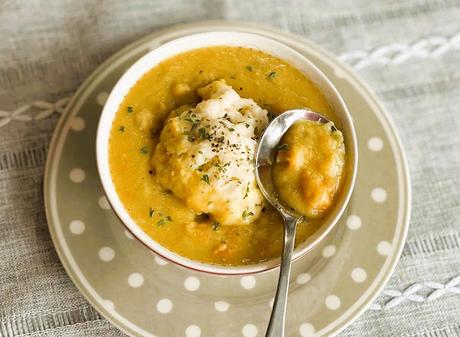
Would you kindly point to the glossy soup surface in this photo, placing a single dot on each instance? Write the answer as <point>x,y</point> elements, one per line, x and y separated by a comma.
<point>307,174</point>
<point>270,82</point>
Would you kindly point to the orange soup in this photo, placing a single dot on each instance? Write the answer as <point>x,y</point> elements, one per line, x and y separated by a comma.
<point>166,120</point>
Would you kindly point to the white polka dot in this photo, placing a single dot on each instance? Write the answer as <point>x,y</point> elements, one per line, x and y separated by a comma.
<point>332,302</point>
<point>248,282</point>
<point>77,124</point>
<point>103,203</point>
<point>249,330</point>
<point>193,331</point>
<point>160,261</point>
<point>77,227</point>
<point>101,98</point>
<point>106,254</point>
<point>375,144</point>
<point>129,235</point>
<point>329,251</point>
<point>135,280</point>
<point>108,305</point>
<point>384,248</point>
<point>354,222</point>
<point>221,306</point>
<point>307,330</point>
<point>358,275</point>
<point>303,278</point>
<point>164,305</point>
<point>191,283</point>
<point>379,195</point>
<point>77,175</point>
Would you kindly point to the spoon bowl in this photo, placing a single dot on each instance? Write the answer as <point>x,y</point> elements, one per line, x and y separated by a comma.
<point>264,160</point>
<point>266,151</point>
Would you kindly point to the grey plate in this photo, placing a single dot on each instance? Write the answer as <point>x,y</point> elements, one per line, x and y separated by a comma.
<point>145,296</point>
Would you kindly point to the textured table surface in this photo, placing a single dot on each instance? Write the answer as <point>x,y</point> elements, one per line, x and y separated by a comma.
<point>407,51</point>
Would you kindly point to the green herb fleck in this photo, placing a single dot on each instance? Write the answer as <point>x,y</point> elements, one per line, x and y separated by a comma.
<point>248,68</point>
<point>205,178</point>
<point>236,179</point>
<point>122,128</point>
<point>193,119</point>
<point>129,109</point>
<point>246,214</point>
<point>144,149</point>
<point>282,147</point>
<point>204,134</point>
<point>231,129</point>
<point>247,191</point>
<point>201,167</point>
<point>221,167</point>
<point>215,226</point>
<point>272,75</point>
<point>151,211</point>
<point>163,221</point>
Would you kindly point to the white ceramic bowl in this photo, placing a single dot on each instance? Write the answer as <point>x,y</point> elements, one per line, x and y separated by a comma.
<point>226,38</point>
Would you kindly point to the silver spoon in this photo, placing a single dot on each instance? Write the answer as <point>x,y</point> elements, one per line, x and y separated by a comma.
<point>265,157</point>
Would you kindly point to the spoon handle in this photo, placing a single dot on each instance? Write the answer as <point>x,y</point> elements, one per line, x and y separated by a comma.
<point>278,316</point>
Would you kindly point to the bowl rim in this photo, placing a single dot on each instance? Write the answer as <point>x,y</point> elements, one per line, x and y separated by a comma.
<point>202,40</point>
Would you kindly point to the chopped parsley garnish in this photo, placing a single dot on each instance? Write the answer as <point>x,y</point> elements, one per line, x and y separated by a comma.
<point>122,128</point>
<point>235,179</point>
<point>282,147</point>
<point>201,167</point>
<point>248,68</point>
<point>246,214</point>
<point>221,167</point>
<point>144,149</point>
<point>163,221</point>
<point>215,226</point>
<point>129,109</point>
<point>205,178</point>
<point>247,191</point>
<point>272,75</point>
<point>151,211</point>
<point>193,119</point>
<point>204,134</point>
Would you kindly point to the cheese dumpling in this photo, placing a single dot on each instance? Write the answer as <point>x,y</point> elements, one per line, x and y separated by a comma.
<point>205,155</point>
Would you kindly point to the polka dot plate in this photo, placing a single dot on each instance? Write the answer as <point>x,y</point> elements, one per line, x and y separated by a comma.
<point>144,295</point>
